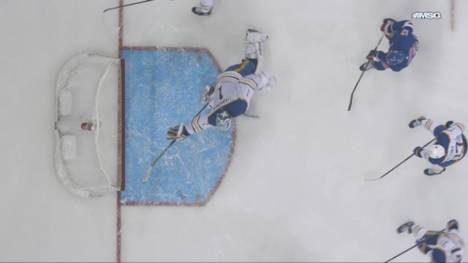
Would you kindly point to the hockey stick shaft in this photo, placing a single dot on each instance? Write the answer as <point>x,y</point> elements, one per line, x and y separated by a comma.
<point>120,6</point>
<point>415,245</point>
<point>253,116</point>
<point>402,162</point>
<point>155,161</point>
<point>360,77</point>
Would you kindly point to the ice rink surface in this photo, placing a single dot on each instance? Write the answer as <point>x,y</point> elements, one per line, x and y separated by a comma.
<point>295,190</point>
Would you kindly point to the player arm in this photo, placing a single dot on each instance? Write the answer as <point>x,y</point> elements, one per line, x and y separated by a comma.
<point>181,131</point>
<point>217,117</point>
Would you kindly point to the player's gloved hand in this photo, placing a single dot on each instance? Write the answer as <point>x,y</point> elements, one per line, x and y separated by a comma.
<point>209,90</point>
<point>448,124</point>
<point>418,151</point>
<point>452,224</point>
<point>177,132</point>
<point>372,54</point>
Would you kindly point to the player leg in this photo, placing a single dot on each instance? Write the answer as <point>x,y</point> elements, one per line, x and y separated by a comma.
<point>247,67</point>
<point>204,8</point>
<point>387,27</point>
<point>254,47</point>
<point>422,235</point>
<point>222,117</point>
<point>253,54</point>
<point>262,80</point>
<point>430,125</point>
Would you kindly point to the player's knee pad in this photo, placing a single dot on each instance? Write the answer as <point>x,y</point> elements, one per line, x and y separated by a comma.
<point>247,67</point>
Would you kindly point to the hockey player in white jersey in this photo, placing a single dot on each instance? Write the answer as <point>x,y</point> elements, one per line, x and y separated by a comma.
<point>231,95</point>
<point>449,148</point>
<point>204,8</point>
<point>440,246</point>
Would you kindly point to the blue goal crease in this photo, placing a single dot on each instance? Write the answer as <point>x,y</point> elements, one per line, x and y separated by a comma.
<point>163,88</point>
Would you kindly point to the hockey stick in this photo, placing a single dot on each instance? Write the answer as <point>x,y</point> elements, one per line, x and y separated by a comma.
<point>116,7</point>
<point>398,165</point>
<point>153,164</point>
<point>360,77</point>
<point>253,116</point>
<point>415,245</point>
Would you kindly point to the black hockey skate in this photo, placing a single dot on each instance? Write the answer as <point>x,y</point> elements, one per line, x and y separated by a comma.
<point>431,172</point>
<point>452,224</point>
<point>416,122</point>
<point>199,11</point>
<point>406,227</point>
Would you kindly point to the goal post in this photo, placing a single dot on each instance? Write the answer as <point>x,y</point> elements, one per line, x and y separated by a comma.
<point>87,125</point>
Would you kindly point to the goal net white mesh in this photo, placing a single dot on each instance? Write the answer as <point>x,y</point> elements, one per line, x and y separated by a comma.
<point>86,127</point>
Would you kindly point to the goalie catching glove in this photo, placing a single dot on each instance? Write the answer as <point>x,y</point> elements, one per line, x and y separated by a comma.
<point>177,132</point>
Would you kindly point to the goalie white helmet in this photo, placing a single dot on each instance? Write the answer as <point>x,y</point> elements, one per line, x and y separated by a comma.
<point>436,151</point>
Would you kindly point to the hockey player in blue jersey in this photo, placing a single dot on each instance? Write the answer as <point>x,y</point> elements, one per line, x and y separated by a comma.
<point>441,246</point>
<point>403,46</point>
<point>449,148</point>
<point>231,95</point>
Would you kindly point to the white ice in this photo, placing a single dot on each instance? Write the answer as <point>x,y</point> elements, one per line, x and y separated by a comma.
<point>295,190</point>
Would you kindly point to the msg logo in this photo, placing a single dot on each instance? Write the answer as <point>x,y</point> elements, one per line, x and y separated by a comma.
<point>427,15</point>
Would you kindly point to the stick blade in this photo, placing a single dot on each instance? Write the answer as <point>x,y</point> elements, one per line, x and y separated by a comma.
<point>370,177</point>
<point>147,175</point>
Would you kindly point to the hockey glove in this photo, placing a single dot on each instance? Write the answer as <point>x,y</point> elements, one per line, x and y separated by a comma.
<point>387,27</point>
<point>418,151</point>
<point>385,22</point>
<point>372,54</point>
<point>209,90</point>
<point>177,132</point>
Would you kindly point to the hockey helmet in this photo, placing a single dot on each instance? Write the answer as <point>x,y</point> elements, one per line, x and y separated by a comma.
<point>436,151</point>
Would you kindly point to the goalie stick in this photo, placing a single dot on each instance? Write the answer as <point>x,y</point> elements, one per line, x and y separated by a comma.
<point>415,245</point>
<point>155,161</point>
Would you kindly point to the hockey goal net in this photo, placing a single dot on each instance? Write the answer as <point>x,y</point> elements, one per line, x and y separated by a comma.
<point>86,126</point>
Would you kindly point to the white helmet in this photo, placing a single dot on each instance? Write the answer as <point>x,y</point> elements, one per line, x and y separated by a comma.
<point>436,151</point>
